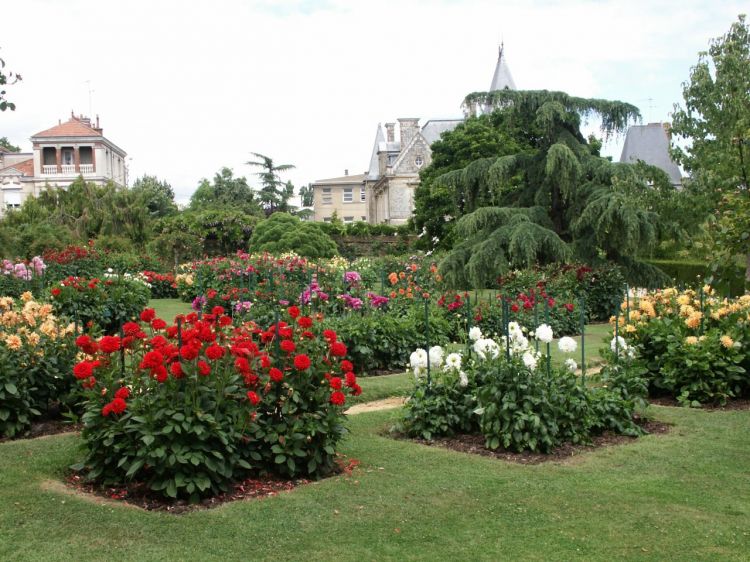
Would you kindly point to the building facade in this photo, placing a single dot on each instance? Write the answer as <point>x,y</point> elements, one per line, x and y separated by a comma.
<point>345,197</point>
<point>397,156</point>
<point>60,155</point>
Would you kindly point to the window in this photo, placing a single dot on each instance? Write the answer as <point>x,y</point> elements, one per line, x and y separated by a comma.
<point>418,161</point>
<point>12,199</point>
<point>364,218</point>
<point>327,197</point>
<point>348,195</point>
<point>348,220</point>
<point>362,193</point>
<point>327,219</point>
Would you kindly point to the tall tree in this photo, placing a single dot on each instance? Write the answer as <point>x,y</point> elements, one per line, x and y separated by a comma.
<point>274,193</point>
<point>715,120</point>
<point>7,78</point>
<point>543,193</point>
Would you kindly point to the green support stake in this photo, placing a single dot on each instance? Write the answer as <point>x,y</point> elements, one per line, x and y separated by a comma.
<point>506,321</point>
<point>536,323</point>
<point>582,305</point>
<point>617,334</point>
<point>467,312</point>
<point>701,296</point>
<point>427,338</point>
<point>276,342</point>
<point>627,303</point>
<point>122,352</point>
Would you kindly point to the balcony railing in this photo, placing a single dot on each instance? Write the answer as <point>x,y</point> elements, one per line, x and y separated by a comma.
<point>67,170</point>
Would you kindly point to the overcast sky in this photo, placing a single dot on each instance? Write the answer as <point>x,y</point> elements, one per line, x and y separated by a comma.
<point>188,87</point>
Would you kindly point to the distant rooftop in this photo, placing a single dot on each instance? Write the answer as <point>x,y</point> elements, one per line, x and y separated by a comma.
<point>502,79</point>
<point>650,143</point>
<point>79,126</point>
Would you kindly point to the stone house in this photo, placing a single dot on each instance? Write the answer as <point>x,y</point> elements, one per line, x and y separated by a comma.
<point>387,187</point>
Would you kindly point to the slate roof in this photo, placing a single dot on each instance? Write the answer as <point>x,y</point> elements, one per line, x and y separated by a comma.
<point>74,127</point>
<point>373,172</point>
<point>502,78</point>
<point>650,143</point>
<point>433,128</point>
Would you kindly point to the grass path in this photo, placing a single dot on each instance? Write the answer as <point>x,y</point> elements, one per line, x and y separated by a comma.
<point>680,496</point>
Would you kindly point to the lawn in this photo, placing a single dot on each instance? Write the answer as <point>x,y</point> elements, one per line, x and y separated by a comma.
<point>169,308</point>
<point>680,496</point>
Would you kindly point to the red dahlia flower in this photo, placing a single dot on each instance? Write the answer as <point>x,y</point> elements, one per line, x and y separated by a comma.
<point>338,398</point>
<point>253,397</point>
<point>148,314</point>
<point>203,368</point>
<point>109,344</point>
<point>301,362</point>
<point>83,370</point>
<point>123,393</point>
<point>335,383</point>
<point>338,349</point>
<point>214,352</point>
<point>287,345</point>
<point>276,375</point>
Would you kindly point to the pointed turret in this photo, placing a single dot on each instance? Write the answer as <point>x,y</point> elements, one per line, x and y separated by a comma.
<point>502,79</point>
<point>373,173</point>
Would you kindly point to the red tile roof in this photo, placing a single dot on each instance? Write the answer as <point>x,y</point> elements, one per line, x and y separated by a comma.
<point>26,167</point>
<point>72,128</point>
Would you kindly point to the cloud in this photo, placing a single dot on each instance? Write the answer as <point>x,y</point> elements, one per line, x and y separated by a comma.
<point>186,88</point>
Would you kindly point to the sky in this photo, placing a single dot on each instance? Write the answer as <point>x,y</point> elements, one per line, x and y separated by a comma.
<point>188,87</point>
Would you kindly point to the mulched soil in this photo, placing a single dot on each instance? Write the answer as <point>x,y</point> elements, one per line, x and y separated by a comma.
<point>474,444</point>
<point>739,404</point>
<point>138,495</point>
<point>46,427</point>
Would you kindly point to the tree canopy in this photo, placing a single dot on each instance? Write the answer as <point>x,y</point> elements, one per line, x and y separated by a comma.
<point>282,232</point>
<point>6,144</point>
<point>226,191</point>
<point>715,120</point>
<point>541,193</point>
<point>157,196</point>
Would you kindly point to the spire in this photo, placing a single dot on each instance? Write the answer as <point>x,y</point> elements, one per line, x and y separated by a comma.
<point>373,173</point>
<point>502,78</point>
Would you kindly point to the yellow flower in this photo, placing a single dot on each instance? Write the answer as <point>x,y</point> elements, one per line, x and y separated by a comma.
<point>726,341</point>
<point>691,340</point>
<point>694,320</point>
<point>45,310</point>
<point>13,342</point>
<point>683,300</point>
<point>686,310</point>
<point>6,303</point>
<point>33,339</point>
<point>635,315</point>
<point>629,328</point>
<point>26,296</point>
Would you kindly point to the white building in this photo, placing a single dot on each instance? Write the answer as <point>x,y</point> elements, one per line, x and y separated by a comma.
<point>60,155</point>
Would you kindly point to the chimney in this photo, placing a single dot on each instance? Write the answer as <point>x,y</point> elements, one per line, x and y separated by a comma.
<point>389,132</point>
<point>346,172</point>
<point>408,127</point>
<point>98,129</point>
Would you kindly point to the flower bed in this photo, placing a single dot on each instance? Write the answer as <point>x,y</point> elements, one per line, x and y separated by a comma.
<point>690,344</point>
<point>189,408</point>
<point>36,355</point>
<point>508,393</point>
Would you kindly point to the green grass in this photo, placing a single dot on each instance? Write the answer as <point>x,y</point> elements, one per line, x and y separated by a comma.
<point>169,308</point>
<point>383,386</point>
<point>680,496</point>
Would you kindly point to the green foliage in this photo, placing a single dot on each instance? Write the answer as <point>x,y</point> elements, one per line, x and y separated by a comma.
<point>715,120</point>
<point>6,79</point>
<point>443,408</point>
<point>382,340</point>
<point>106,304</point>
<point>545,197</point>
<point>157,196</point>
<point>6,144</point>
<point>520,409</point>
<point>282,232</point>
<point>225,193</point>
